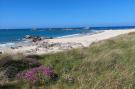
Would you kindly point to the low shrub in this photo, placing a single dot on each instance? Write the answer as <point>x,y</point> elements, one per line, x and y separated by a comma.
<point>12,67</point>
<point>37,76</point>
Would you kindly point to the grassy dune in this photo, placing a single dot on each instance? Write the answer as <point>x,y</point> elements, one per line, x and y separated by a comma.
<point>108,64</point>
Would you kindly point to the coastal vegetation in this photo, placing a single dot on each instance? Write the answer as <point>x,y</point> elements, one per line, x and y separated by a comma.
<point>108,64</point>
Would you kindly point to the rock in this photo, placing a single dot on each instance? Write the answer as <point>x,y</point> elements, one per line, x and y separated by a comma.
<point>28,37</point>
<point>12,47</point>
<point>48,37</point>
<point>70,80</point>
<point>36,38</point>
<point>51,38</point>
<point>0,52</point>
<point>33,38</point>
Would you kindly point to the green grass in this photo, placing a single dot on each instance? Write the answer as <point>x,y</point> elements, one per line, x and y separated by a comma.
<point>108,64</point>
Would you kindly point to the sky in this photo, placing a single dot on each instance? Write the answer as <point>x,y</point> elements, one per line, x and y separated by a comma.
<point>66,13</point>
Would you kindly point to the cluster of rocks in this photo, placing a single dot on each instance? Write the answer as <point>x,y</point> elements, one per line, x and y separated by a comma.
<point>36,38</point>
<point>59,46</point>
<point>51,47</point>
<point>41,45</point>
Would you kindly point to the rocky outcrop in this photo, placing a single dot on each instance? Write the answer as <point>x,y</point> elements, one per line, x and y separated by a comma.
<point>36,38</point>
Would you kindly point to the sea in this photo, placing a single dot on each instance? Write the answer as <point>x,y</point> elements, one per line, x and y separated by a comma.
<point>9,37</point>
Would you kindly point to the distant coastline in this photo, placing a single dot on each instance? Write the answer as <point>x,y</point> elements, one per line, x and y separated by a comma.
<point>91,27</point>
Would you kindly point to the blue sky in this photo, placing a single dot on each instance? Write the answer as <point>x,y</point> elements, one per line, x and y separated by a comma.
<point>66,13</point>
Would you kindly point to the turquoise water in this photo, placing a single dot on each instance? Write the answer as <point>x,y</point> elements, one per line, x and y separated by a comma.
<point>15,35</point>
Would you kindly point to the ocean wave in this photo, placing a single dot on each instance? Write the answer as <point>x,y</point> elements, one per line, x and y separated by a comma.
<point>6,44</point>
<point>81,34</point>
<point>67,36</point>
<point>15,44</point>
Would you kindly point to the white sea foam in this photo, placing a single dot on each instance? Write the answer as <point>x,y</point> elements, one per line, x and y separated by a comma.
<point>7,44</point>
<point>14,44</point>
<point>74,35</point>
<point>81,34</point>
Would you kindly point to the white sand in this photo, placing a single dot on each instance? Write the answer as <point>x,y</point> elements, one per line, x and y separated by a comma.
<point>74,42</point>
<point>87,40</point>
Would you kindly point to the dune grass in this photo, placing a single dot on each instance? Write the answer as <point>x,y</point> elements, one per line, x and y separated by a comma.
<point>108,64</point>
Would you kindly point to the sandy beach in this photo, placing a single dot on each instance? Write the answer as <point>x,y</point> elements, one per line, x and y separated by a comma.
<point>61,44</point>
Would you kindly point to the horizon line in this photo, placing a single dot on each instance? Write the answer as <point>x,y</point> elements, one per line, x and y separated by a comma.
<point>70,27</point>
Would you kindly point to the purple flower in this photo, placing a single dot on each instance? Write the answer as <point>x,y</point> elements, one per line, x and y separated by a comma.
<point>33,75</point>
<point>46,71</point>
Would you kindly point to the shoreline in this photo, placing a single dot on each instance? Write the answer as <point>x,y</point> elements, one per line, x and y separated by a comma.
<point>61,44</point>
<point>88,39</point>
